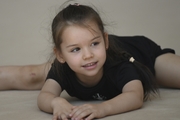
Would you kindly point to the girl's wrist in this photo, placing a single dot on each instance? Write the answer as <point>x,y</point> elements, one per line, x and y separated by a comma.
<point>55,101</point>
<point>106,109</point>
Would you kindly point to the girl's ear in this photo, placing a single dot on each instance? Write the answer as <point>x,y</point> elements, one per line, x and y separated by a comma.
<point>106,40</point>
<point>59,56</point>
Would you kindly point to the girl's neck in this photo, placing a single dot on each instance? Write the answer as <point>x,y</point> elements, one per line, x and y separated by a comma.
<point>90,81</point>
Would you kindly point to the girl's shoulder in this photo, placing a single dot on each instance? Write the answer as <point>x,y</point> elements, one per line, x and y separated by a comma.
<point>123,66</point>
<point>121,73</point>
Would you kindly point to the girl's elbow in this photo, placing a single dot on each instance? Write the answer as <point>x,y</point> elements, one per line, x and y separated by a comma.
<point>140,100</point>
<point>44,101</point>
<point>140,103</point>
<point>39,102</point>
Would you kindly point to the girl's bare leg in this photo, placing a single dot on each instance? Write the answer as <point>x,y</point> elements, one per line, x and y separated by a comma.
<point>28,77</point>
<point>167,67</point>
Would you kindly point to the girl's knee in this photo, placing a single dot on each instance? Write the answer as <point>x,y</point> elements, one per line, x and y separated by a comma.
<point>28,77</point>
<point>37,74</point>
<point>167,68</point>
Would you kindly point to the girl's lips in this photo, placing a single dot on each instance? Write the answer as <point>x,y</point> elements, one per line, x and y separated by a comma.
<point>90,65</point>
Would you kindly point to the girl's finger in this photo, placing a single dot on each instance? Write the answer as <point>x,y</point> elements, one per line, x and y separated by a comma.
<point>90,117</point>
<point>63,117</point>
<point>81,113</point>
<point>55,117</point>
<point>73,107</point>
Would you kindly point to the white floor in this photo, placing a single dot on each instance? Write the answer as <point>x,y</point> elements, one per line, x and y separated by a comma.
<point>22,105</point>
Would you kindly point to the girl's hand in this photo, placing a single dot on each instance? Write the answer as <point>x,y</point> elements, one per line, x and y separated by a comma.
<point>87,112</point>
<point>61,109</point>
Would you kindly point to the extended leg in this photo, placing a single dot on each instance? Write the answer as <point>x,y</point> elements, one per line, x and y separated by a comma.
<point>167,67</point>
<point>28,77</point>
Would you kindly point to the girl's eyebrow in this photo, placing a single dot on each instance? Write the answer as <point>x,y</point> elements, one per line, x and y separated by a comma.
<point>95,38</point>
<point>76,44</point>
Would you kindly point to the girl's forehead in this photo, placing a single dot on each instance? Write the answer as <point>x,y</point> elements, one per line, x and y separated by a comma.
<point>76,33</point>
<point>83,28</point>
<point>79,31</point>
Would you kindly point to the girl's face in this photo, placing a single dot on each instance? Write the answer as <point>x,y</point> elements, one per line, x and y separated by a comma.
<point>84,50</point>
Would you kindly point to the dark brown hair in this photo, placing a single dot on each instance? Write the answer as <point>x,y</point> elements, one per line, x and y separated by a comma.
<point>74,15</point>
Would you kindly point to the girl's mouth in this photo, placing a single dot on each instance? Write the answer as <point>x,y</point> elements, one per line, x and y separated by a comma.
<point>90,65</point>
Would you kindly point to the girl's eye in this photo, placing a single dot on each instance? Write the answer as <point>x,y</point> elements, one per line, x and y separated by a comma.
<point>95,43</point>
<point>75,49</point>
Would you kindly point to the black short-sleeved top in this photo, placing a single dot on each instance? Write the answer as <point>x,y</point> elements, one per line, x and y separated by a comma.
<point>115,76</point>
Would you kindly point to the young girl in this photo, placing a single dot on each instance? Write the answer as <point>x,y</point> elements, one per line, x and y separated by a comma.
<point>92,65</point>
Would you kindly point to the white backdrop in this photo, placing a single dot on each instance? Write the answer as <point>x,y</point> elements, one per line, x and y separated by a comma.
<point>25,36</point>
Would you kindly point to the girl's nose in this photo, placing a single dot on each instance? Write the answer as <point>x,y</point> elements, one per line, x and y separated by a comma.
<point>87,55</point>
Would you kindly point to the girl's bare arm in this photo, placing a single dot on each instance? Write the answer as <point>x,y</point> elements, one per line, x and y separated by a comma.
<point>130,99</point>
<point>49,100</point>
<point>50,90</point>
